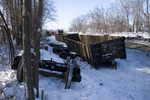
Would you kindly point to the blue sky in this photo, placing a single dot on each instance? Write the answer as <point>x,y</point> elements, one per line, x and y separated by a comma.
<point>69,9</point>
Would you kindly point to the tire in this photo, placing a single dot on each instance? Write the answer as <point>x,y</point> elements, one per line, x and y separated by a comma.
<point>20,72</point>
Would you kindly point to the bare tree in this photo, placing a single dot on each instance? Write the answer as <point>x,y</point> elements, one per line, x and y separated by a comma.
<point>125,5</point>
<point>5,26</point>
<point>27,12</point>
<point>116,19</point>
<point>98,19</point>
<point>137,6</point>
<point>27,19</point>
<point>146,13</point>
<point>79,24</point>
<point>37,30</point>
<point>49,11</point>
<point>13,10</point>
<point>120,17</point>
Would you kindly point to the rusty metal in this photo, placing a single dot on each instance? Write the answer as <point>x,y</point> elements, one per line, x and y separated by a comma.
<point>52,65</point>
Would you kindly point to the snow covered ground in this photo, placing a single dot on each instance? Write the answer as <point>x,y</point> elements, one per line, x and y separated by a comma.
<point>129,82</point>
<point>140,42</point>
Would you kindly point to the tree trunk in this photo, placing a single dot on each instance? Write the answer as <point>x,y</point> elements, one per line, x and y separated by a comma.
<point>11,47</point>
<point>38,24</point>
<point>128,25</point>
<point>27,48</point>
<point>137,24</point>
<point>133,25</point>
<point>21,31</point>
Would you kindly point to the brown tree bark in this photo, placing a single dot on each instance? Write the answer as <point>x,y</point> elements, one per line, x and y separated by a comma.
<point>38,24</point>
<point>27,48</point>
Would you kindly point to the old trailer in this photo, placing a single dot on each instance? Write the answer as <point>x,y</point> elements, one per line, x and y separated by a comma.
<point>69,71</point>
<point>96,50</point>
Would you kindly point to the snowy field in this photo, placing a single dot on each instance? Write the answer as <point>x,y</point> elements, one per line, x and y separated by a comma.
<point>131,80</point>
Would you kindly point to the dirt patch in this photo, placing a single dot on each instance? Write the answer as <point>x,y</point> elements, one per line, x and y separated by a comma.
<point>131,45</point>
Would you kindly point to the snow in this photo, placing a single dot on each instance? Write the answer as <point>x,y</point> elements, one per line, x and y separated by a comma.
<point>129,82</point>
<point>2,25</point>
<point>39,30</point>
<point>125,34</point>
<point>52,39</point>
<point>48,55</point>
<point>9,85</point>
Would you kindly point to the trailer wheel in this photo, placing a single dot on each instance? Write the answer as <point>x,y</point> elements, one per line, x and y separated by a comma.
<point>14,66</point>
<point>20,75</point>
<point>20,72</point>
<point>76,72</point>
